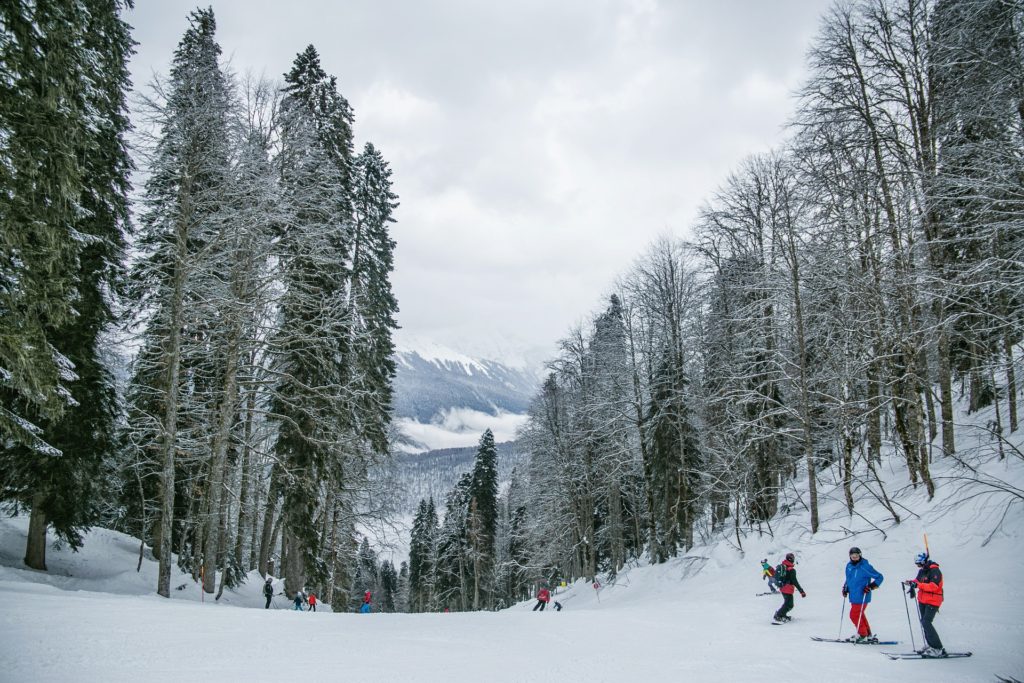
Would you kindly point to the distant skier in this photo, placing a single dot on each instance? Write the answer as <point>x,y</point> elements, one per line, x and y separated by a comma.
<point>768,572</point>
<point>268,591</point>
<point>366,606</point>
<point>297,600</point>
<point>928,587</point>
<point>312,602</point>
<point>785,573</point>
<point>861,579</point>
<point>543,596</point>
<point>558,606</point>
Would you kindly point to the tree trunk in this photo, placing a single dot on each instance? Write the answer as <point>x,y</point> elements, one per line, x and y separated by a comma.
<point>1011,383</point>
<point>35,547</point>
<point>170,417</point>
<point>222,437</point>
<point>946,387</point>
<point>267,541</point>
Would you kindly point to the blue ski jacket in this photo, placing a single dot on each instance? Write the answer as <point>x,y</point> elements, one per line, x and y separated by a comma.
<point>859,575</point>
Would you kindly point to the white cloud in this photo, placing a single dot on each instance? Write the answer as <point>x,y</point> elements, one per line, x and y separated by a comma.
<point>536,147</point>
<point>459,427</point>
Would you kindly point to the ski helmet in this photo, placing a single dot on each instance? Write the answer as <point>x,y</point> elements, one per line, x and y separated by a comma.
<point>791,557</point>
<point>855,550</point>
<point>921,558</point>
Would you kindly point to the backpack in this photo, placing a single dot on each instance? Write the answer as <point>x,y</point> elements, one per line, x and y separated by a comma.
<point>781,573</point>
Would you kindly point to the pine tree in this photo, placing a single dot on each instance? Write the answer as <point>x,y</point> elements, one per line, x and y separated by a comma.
<point>483,517</point>
<point>44,122</point>
<point>371,302</point>
<point>64,491</point>
<point>312,400</point>
<point>169,394</point>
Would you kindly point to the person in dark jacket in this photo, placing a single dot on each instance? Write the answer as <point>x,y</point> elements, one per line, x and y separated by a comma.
<point>543,596</point>
<point>268,591</point>
<point>789,585</point>
<point>861,579</point>
<point>928,587</point>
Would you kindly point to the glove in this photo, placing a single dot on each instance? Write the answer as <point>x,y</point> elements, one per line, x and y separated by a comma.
<point>846,591</point>
<point>868,588</point>
<point>802,594</point>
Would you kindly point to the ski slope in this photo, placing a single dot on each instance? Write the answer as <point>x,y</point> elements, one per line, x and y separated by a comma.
<point>92,617</point>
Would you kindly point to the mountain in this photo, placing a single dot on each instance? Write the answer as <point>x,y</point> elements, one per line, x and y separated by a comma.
<point>445,398</point>
<point>435,473</point>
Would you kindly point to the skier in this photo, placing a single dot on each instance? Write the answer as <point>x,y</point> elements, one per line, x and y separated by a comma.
<point>928,586</point>
<point>298,600</point>
<point>268,591</point>
<point>768,572</point>
<point>312,602</point>
<point>861,579</point>
<point>365,607</point>
<point>543,596</point>
<point>789,583</point>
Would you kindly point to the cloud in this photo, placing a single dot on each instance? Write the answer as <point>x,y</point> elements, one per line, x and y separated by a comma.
<point>459,427</point>
<point>536,147</point>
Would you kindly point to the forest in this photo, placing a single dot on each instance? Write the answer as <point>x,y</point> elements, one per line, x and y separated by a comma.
<point>834,298</point>
<point>205,361</point>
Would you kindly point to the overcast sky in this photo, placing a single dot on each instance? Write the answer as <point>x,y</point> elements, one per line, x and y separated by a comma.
<point>537,146</point>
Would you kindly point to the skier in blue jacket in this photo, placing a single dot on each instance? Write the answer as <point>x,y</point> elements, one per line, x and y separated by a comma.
<point>861,579</point>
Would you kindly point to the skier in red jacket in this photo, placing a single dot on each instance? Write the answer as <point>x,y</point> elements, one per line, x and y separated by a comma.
<point>543,596</point>
<point>312,602</point>
<point>928,586</point>
<point>789,586</point>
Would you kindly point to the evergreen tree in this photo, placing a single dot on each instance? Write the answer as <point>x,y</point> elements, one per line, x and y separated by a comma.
<point>372,304</point>
<point>75,109</point>
<point>312,399</point>
<point>483,517</point>
<point>43,128</point>
<point>169,393</point>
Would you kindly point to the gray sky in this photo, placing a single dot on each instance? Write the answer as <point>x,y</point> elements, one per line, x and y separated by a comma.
<point>537,147</point>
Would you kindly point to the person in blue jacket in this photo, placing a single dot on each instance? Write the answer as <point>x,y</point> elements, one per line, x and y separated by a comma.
<point>861,579</point>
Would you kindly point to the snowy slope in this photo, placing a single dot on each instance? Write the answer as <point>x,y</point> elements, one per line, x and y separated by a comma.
<point>695,618</point>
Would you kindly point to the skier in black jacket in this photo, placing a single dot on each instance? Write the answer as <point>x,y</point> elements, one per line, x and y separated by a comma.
<point>268,591</point>
<point>789,586</point>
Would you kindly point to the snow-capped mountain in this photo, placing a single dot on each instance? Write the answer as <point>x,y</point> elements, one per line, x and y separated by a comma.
<point>446,399</point>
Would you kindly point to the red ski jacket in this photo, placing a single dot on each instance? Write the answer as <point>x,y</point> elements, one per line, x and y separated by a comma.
<point>544,595</point>
<point>789,584</point>
<point>312,599</point>
<point>929,584</point>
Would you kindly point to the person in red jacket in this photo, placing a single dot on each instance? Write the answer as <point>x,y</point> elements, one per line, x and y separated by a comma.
<point>543,596</point>
<point>312,602</point>
<point>789,586</point>
<point>928,586</point>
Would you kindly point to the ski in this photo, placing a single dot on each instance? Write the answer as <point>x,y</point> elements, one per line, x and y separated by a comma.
<point>918,655</point>
<point>768,593</point>
<point>854,642</point>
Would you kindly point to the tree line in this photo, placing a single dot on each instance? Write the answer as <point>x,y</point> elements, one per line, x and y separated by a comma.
<point>836,296</point>
<point>246,427</point>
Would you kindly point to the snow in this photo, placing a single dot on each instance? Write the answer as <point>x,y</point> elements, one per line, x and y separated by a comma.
<point>93,618</point>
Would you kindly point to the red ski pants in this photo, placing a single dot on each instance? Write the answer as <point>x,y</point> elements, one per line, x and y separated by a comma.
<point>860,619</point>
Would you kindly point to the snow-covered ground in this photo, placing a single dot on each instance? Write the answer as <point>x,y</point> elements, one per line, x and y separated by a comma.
<point>93,618</point>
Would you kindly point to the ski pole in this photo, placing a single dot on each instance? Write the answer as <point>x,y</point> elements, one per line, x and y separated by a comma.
<point>909,625</point>
<point>842,613</point>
